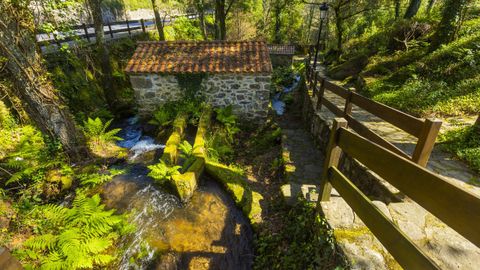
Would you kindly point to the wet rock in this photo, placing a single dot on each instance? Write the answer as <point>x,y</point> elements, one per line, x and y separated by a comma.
<point>118,193</point>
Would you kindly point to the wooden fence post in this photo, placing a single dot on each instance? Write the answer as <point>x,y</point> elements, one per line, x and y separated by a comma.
<point>110,29</point>
<point>332,159</point>
<point>314,84</point>
<point>426,141</point>
<point>143,25</point>
<point>85,29</point>
<point>348,104</point>
<point>55,38</point>
<point>320,93</point>
<point>128,28</point>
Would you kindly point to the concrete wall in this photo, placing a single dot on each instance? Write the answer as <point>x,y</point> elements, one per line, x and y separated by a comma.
<point>247,93</point>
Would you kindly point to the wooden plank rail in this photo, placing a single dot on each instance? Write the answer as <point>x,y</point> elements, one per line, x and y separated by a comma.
<point>425,130</point>
<point>128,28</point>
<point>455,206</point>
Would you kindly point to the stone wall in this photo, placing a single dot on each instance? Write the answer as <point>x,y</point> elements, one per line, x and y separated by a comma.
<point>319,123</point>
<point>247,93</point>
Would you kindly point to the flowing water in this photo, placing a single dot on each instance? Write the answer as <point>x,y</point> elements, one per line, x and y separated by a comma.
<point>207,233</point>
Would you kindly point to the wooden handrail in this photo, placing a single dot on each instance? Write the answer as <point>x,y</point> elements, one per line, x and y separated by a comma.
<point>457,207</point>
<point>407,254</point>
<point>425,130</point>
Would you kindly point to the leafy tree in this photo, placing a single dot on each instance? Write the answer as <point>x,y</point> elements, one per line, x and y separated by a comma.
<point>31,81</point>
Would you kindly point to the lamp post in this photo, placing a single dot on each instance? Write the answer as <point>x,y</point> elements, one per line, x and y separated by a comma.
<point>323,15</point>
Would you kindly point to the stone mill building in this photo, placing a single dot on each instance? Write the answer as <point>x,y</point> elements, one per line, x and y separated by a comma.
<point>223,73</point>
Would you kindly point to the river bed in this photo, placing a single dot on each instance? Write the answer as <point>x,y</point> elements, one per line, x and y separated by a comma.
<point>207,233</point>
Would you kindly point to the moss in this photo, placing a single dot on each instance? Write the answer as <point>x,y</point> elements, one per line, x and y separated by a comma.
<point>234,181</point>
<point>190,83</point>
<point>203,125</point>
<point>351,235</point>
<point>170,153</point>
<point>184,185</point>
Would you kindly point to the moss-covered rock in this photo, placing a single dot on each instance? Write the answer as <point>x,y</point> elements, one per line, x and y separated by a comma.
<point>170,153</point>
<point>235,182</point>
<point>184,184</point>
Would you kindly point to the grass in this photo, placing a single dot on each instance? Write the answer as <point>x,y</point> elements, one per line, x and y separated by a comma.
<point>464,143</point>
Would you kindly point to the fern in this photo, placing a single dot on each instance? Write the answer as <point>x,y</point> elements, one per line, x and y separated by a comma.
<point>95,179</point>
<point>80,237</point>
<point>162,172</point>
<point>96,130</point>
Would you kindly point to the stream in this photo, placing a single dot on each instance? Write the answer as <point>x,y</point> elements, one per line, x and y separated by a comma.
<point>207,233</point>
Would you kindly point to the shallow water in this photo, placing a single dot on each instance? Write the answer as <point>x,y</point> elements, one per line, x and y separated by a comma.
<point>207,233</point>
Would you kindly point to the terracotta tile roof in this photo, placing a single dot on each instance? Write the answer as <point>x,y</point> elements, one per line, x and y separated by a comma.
<point>173,57</point>
<point>281,49</point>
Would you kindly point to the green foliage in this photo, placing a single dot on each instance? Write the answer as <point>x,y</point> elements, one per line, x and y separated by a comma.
<point>304,242</point>
<point>190,84</point>
<point>98,178</point>
<point>229,121</point>
<point>465,143</point>
<point>163,172</point>
<point>165,114</point>
<point>186,29</point>
<point>79,237</point>
<point>283,76</point>
<point>186,152</point>
<point>96,130</point>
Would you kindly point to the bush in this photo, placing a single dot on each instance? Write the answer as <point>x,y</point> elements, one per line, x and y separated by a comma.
<point>305,242</point>
<point>465,143</point>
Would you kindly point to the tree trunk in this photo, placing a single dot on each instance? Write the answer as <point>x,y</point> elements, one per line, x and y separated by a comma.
<point>412,9</point>
<point>220,20</point>
<point>397,9</point>
<point>278,24</point>
<point>32,85</point>
<point>158,21</point>
<point>103,54</point>
<point>339,29</point>
<point>477,123</point>
<point>201,17</point>
<point>430,5</point>
<point>449,24</point>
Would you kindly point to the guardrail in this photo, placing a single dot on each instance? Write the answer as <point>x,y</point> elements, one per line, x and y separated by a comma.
<point>425,131</point>
<point>142,24</point>
<point>457,207</point>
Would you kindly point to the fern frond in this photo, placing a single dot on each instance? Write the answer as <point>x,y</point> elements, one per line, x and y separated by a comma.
<point>41,242</point>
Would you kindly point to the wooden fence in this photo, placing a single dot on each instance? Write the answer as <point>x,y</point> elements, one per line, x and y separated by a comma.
<point>131,26</point>
<point>425,131</point>
<point>457,207</point>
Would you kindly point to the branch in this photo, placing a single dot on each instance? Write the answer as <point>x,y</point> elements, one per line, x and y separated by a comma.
<point>229,6</point>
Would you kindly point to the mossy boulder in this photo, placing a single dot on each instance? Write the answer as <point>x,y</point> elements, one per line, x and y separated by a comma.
<point>352,67</point>
<point>235,182</point>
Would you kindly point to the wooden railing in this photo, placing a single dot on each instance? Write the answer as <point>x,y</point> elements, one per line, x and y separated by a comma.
<point>425,131</point>
<point>457,207</point>
<point>131,26</point>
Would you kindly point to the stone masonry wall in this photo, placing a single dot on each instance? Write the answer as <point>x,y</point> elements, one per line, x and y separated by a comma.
<point>247,93</point>
<point>319,123</point>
